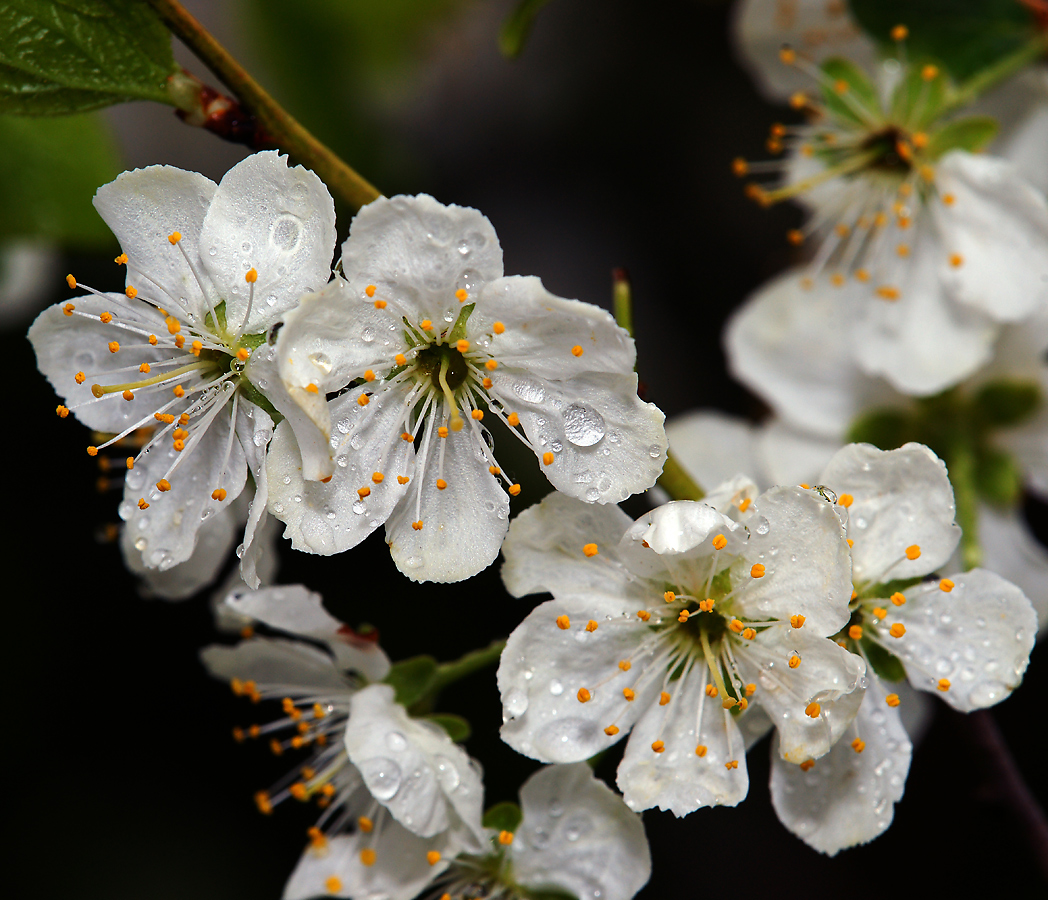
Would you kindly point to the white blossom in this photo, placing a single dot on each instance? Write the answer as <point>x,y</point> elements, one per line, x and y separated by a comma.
<point>428,343</point>
<point>209,269</point>
<point>399,798</point>
<point>673,626</point>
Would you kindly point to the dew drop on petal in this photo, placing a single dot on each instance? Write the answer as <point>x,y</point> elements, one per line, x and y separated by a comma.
<point>382,776</point>
<point>583,425</point>
<point>515,703</point>
<point>396,741</point>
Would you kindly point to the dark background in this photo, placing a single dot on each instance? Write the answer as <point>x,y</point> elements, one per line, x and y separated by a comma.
<point>607,144</point>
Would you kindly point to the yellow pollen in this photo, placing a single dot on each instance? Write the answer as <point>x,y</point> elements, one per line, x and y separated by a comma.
<point>400,359</point>
<point>298,791</point>
<point>683,616</point>
<point>900,33</point>
<point>114,346</point>
<point>179,444</point>
<point>956,260</point>
<point>837,279</point>
<point>812,710</point>
<point>807,765</point>
<point>425,324</point>
<point>902,250</point>
<point>363,492</point>
<point>152,340</point>
<point>887,292</point>
<point>855,632</point>
<point>462,346</point>
<point>441,484</point>
<point>417,525</point>
<point>795,237</point>
<point>370,290</point>
<point>854,593</point>
<point>625,665</point>
<point>442,431</point>
<point>731,764</point>
<point>127,395</point>
<point>367,857</point>
<point>898,599</point>
<point>757,571</point>
<point>547,458</point>
<point>142,503</point>
<point>845,500</point>
<point>487,382</point>
<point>706,605</point>
<point>494,470</point>
<point>378,477</point>
<point>592,625</point>
<point>498,328</point>
<point>794,661</point>
<point>79,377</point>
<point>163,485</point>
<point>197,346</point>
<point>461,295</point>
<point>62,411</point>
<point>880,612</point>
<point>106,318</point>
<point>577,350</point>
<point>720,542</point>
<point>174,237</point>
<point>68,308</point>
<point>664,698</point>
<point>513,489</point>
<point>218,494</point>
<point>130,292</point>
<point>787,55</point>
<point>628,694</point>
<point>477,414</point>
<point>743,703</point>
<point>513,420</point>
<point>700,750</point>
<point>749,634</point>
<point>658,746</point>
<point>611,730</point>
<point>563,623</point>
<point>913,551</point>
<point>363,400</point>
<point>587,549</point>
<point>944,684</point>
<point>739,166</point>
<point>897,630</point>
<point>380,304</point>
<point>491,365</point>
<point>797,621</point>
<point>643,615</point>
<point>180,341</point>
<point>840,86</point>
<point>736,626</point>
<point>929,72</point>
<point>262,802</point>
<point>166,418</point>
<point>745,505</point>
<point>243,353</point>
<point>851,543</point>
<point>583,695</point>
<point>892,700</point>
<point>750,689</point>
<point>711,690</point>
<point>505,838</point>
<point>728,702</point>
<point>180,434</point>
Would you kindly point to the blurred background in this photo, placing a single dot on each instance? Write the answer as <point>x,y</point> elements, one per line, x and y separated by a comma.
<point>607,143</point>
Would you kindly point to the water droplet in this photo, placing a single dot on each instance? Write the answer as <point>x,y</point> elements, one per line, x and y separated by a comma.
<point>556,688</point>
<point>240,551</point>
<point>463,248</point>
<point>655,451</point>
<point>447,773</point>
<point>359,508</point>
<point>583,425</point>
<point>515,702</point>
<point>278,508</point>
<point>529,391</point>
<point>212,251</point>
<point>396,741</point>
<point>321,361</point>
<point>367,334</point>
<point>556,809</point>
<point>382,776</point>
<point>762,526</point>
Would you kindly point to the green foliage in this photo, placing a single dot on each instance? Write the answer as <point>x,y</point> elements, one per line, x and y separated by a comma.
<point>503,817</point>
<point>1008,402</point>
<point>411,678</point>
<point>918,101</point>
<point>967,36</point>
<point>971,134</point>
<point>884,428</point>
<point>458,728</point>
<point>515,30</point>
<point>49,171</point>
<point>998,478</point>
<point>63,56</point>
<point>887,666</point>
<point>861,92</point>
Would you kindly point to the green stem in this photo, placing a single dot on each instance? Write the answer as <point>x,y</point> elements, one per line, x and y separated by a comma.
<point>275,120</point>
<point>998,72</point>
<point>450,672</point>
<point>678,483</point>
<point>961,465</point>
<point>622,301</point>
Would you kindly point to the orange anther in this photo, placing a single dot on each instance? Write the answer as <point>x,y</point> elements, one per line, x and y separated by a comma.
<point>736,626</point>
<point>251,276</point>
<point>797,621</point>
<point>887,292</point>
<point>711,690</point>
<point>370,290</point>
<point>720,542</point>
<point>588,549</point>
<point>892,699</point>
<point>498,328</point>
<point>628,694</point>
<point>750,689</point>
<point>62,411</point>
<point>130,292</point>
<point>749,634</point>
<point>442,431</point>
<point>547,458</point>
<point>368,857</point>
<point>462,345</point>
<point>643,615</point>
<point>929,72</point>
<point>592,625</point>
<point>513,420</point>
<point>363,400</point>
<point>461,295</point>
<point>406,436</point>
<point>807,765</point>
<point>218,494</point>
<point>403,479</point>
<point>700,750</point>
<point>174,237</point>
<point>513,489</point>
<point>563,623</point>
<point>855,632</point>
<point>625,665</point>
<point>897,630</point>
<point>243,353</point>
<point>363,492</point>
<point>114,346</point>
<point>180,341</point>
<point>505,838</point>
<point>664,698</point>
<point>577,350</point>
<point>425,324</point>
<point>946,585</point>
<point>757,570</point>
<point>611,730</point>
<point>491,365</point>
<point>68,308</point>
<point>898,599</point>
<point>731,764</point>
<point>812,710</point>
<point>142,503</point>
<point>943,684</point>
<point>441,484</point>
<point>658,746</point>
<point>913,551</point>
<point>583,695</point>
<point>794,661</point>
<point>163,485</point>
<point>377,477</point>
<point>417,525</point>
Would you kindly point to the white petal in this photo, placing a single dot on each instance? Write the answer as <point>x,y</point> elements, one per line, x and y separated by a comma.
<point>815,28</point>
<point>902,498</point>
<point>543,550</point>
<point>414,769</point>
<point>793,347</point>
<point>142,208</point>
<point>543,667</point>
<point>277,220</point>
<point>685,528</point>
<point>998,223</point>
<point>462,525</point>
<point>978,636</point>
<point>545,332</point>
<point>289,666</point>
<point>578,837</point>
<point>713,446</point>
<point>66,345</point>
<point>798,539</point>
<point>607,443</point>
<point>419,252</point>
<point>166,532</point>
<point>333,517</point>
<point>827,674</point>
<point>297,610</point>
<point>847,798</point>
<point>677,778</point>
<point>1010,549</point>
<point>789,456</point>
<point>1023,144</point>
<point>923,342</point>
<point>255,431</point>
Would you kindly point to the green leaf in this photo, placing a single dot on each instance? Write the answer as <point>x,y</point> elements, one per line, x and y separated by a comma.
<point>998,478</point>
<point>1008,402</point>
<point>411,678</point>
<point>971,134</point>
<point>62,56</point>
<point>887,666</point>
<point>861,92</point>
<point>884,428</point>
<point>503,817</point>
<point>49,171</point>
<point>917,100</point>
<point>967,36</point>
<point>458,728</point>
<point>515,30</point>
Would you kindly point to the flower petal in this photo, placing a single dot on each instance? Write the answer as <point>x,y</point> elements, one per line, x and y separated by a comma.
<point>414,769</point>
<point>142,208</point>
<point>333,517</point>
<point>677,778</point>
<point>462,525</point>
<point>998,223</point>
<point>255,431</point>
<point>847,798</point>
<point>290,667</point>
<point>578,837</point>
<point>685,528</point>
<point>713,446</point>
<point>977,636</point>
<point>419,252</point>
<point>901,498</point>
<point>544,666</point>
<point>1010,548</point>
<point>277,220</point>
<point>789,456</point>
